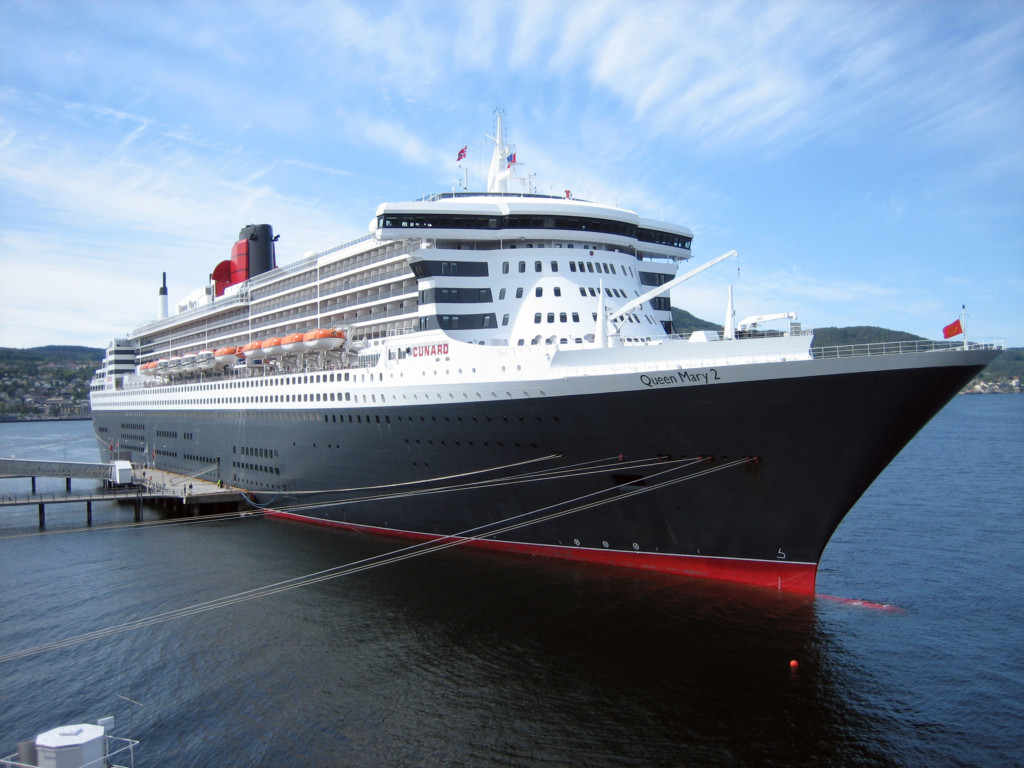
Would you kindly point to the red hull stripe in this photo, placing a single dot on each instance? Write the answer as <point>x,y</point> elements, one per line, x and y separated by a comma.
<point>781,575</point>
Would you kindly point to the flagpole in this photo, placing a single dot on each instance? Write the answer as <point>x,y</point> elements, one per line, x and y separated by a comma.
<point>963,322</point>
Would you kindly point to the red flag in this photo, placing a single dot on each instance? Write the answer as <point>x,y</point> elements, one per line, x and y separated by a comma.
<point>953,329</point>
<point>462,153</point>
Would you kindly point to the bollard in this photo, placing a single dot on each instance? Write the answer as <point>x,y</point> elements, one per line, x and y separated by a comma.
<point>138,509</point>
<point>88,512</point>
<point>42,514</point>
<point>33,486</point>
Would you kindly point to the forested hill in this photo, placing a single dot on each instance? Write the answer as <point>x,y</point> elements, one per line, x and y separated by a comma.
<point>51,354</point>
<point>859,334</point>
<point>685,323</point>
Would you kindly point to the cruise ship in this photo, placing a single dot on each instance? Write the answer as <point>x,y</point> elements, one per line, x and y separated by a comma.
<point>499,369</point>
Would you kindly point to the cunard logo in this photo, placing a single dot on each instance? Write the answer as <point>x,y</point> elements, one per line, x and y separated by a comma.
<point>430,350</point>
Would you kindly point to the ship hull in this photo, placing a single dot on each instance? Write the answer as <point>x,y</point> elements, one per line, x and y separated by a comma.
<point>743,478</point>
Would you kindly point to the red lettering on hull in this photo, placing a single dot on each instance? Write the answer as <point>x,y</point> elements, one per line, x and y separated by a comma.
<point>430,350</point>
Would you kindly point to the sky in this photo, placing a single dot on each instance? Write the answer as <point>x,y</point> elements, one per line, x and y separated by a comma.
<point>865,159</point>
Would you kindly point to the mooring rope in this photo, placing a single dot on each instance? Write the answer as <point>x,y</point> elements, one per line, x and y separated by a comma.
<point>558,473</point>
<point>416,550</point>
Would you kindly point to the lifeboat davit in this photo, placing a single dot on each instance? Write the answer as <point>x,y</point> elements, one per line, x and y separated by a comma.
<point>224,356</point>
<point>163,364</point>
<point>204,360</point>
<point>323,338</point>
<point>252,349</point>
<point>273,347</point>
<point>188,362</point>
<point>174,362</point>
<point>292,343</point>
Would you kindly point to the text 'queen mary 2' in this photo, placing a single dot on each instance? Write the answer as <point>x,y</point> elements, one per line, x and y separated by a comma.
<point>499,367</point>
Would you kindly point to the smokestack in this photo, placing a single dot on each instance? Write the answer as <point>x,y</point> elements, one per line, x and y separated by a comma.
<point>162,312</point>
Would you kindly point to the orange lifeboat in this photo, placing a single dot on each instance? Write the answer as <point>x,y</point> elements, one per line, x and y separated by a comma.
<point>225,355</point>
<point>273,347</point>
<point>252,349</point>
<point>323,338</point>
<point>292,343</point>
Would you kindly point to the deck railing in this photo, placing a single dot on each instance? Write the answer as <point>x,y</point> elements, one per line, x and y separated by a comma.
<point>900,348</point>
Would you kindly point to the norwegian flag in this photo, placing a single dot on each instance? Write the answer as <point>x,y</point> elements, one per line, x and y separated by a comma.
<point>462,153</point>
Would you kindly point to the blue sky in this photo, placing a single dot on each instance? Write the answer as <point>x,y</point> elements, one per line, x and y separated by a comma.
<point>865,159</point>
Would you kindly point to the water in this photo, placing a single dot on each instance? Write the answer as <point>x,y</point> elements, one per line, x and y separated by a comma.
<point>467,659</point>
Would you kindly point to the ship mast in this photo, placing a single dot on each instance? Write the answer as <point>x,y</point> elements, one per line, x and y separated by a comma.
<point>501,169</point>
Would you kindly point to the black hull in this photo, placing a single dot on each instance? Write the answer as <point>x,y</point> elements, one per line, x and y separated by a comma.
<point>812,439</point>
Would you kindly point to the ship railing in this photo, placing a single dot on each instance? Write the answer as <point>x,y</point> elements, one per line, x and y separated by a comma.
<point>901,348</point>
<point>122,749</point>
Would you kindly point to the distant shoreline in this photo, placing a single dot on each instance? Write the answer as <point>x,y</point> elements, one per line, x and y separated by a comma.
<point>5,420</point>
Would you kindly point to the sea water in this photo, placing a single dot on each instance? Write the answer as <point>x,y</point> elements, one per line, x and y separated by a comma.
<point>467,659</point>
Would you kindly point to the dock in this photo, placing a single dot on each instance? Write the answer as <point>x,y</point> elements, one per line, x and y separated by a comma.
<point>183,494</point>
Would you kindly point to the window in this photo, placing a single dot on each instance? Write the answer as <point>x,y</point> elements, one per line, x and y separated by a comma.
<point>504,320</point>
<point>522,266</point>
<point>504,267</point>
<point>501,294</point>
<point>536,318</point>
<point>536,266</point>
<point>554,266</point>
<point>519,293</point>
<point>572,266</point>
<point>583,291</point>
<point>590,267</point>
<point>575,317</point>
<point>558,291</point>
<point>539,292</point>
<point>551,317</point>
<point>561,317</point>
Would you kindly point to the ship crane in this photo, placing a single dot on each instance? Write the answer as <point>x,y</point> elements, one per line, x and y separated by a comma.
<point>750,323</point>
<point>619,316</point>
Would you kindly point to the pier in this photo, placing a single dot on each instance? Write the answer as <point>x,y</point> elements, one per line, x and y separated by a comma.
<point>183,494</point>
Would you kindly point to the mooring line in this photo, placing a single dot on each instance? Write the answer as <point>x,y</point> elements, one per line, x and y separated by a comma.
<point>416,550</point>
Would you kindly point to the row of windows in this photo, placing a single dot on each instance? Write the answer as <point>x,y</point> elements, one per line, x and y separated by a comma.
<point>136,427</point>
<point>454,268</point>
<point>201,459</point>
<point>166,433</point>
<point>259,453</point>
<point>654,278</point>
<point>520,221</point>
<point>256,468</point>
<point>458,322</point>
<point>562,318</point>
<point>574,266</point>
<point>455,295</point>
